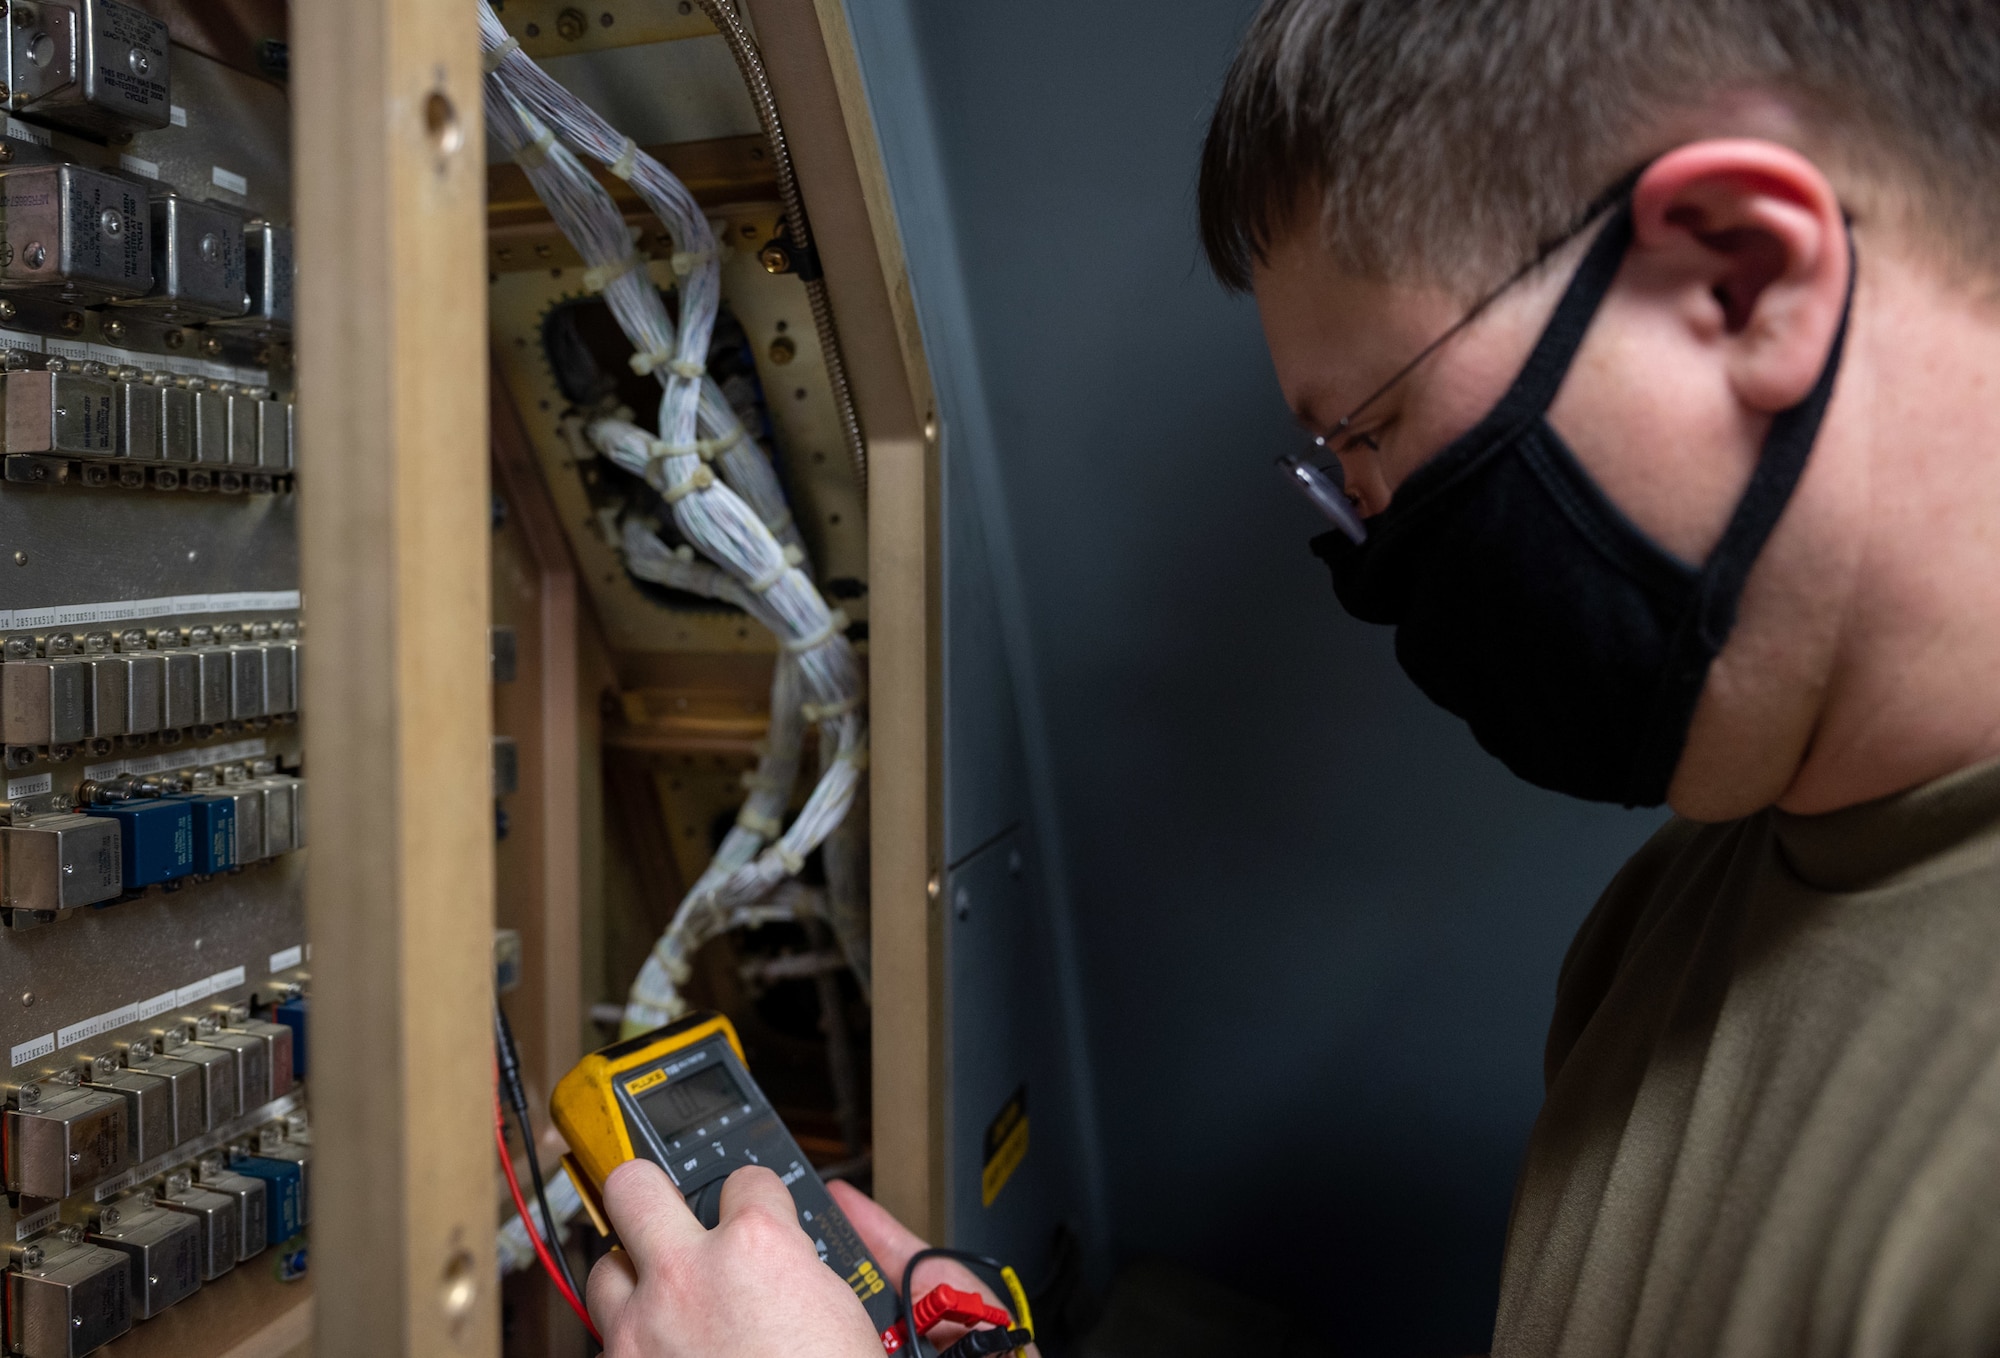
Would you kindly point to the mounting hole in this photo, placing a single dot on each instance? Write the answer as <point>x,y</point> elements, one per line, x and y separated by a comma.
<point>441,123</point>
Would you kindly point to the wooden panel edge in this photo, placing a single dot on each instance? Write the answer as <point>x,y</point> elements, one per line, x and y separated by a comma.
<point>394,508</point>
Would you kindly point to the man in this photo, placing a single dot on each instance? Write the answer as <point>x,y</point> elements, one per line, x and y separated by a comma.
<point>1657,341</point>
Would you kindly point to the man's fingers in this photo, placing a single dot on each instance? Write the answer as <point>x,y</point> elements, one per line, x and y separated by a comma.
<point>755,1186</point>
<point>647,1211</point>
<point>608,1288</point>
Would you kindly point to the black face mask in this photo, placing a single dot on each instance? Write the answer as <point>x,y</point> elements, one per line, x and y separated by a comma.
<point>1525,602</point>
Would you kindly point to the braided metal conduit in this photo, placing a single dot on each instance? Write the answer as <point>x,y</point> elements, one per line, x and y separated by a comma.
<point>723,15</point>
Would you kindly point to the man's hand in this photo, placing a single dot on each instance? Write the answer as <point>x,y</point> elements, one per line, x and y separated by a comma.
<point>892,1243</point>
<point>753,1287</point>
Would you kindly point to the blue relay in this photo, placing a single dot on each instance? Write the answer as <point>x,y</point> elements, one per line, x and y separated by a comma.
<point>284,1202</point>
<point>214,833</point>
<point>292,1013</point>
<point>158,840</point>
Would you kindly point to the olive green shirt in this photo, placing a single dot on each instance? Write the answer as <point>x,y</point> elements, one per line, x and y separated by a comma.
<point>1773,1113</point>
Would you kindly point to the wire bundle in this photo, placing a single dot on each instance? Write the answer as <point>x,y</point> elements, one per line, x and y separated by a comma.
<point>738,521</point>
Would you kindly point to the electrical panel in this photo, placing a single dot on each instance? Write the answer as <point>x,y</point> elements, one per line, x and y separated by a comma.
<point>153,957</point>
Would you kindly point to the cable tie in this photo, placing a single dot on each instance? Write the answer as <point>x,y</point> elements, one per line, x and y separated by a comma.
<point>817,712</point>
<point>688,367</point>
<point>722,443</point>
<point>536,153</point>
<point>659,448</point>
<point>759,825</point>
<point>764,582</point>
<point>687,261</point>
<point>683,553</point>
<point>858,757</point>
<point>646,360</point>
<point>836,622</point>
<point>702,479</point>
<point>793,556</point>
<point>793,863</point>
<point>627,159</point>
<point>601,276</point>
<point>491,59</point>
<point>754,781</point>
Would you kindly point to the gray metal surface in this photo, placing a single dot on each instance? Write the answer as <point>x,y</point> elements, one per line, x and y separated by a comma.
<point>1004,1036</point>
<point>146,954</point>
<point>69,545</point>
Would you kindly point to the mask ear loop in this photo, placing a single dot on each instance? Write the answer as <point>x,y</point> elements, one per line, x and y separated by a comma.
<point>1780,466</point>
<point>1618,193</point>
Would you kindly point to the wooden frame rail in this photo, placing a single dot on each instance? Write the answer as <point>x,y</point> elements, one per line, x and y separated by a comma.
<point>394,525</point>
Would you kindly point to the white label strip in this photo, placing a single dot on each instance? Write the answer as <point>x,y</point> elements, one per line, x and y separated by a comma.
<point>229,179</point>
<point>37,1221</point>
<point>145,169</point>
<point>21,339</point>
<point>27,132</point>
<point>287,958</point>
<point>164,606</point>
<point>96,1025</point>
<point>35,1049</point>
<point>179,759</point>
<point>156,1006</point>
<point>30,787</point>
<point>209,985</point>
<point>177,115</point>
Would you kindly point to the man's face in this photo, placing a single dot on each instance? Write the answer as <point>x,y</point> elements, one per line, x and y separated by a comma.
<point>1648,415</point>
<point>1700,341</point>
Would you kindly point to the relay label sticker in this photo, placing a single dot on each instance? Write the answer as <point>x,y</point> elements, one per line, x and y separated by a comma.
<point>230,180</point>
<point>29,787</point>
<point>1006,1146</point>
<point>34,1049</point>
<point>287,958</point>
<point>37,1221</point>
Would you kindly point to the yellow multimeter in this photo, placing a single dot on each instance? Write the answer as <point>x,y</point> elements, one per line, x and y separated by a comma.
<point>682,1097</point>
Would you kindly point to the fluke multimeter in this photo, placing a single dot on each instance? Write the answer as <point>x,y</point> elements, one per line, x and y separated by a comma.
<point>681,1097</point>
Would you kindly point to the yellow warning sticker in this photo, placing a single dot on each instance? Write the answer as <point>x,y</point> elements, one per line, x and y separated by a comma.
<point>656,1076</point>
<point>1006,1146</point>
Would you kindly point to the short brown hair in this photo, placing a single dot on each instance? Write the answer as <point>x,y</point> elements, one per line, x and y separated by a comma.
<point>1443,138</point>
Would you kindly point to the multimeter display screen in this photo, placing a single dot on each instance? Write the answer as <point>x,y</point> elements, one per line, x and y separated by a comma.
<point>681,1104</point>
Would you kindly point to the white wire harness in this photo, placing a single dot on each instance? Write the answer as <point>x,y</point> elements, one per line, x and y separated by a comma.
<point>725,499</point>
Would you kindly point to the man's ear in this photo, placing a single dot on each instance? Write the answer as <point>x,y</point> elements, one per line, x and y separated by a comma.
<point>1754,232</point>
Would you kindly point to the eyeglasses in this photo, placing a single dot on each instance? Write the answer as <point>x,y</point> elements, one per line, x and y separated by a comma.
<point>1327,487</point>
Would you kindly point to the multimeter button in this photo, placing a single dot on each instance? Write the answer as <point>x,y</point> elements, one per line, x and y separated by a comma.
<point>707,1204</point>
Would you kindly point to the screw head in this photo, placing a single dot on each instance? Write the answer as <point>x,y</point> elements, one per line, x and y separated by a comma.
<point>20,558</point>
<point>140,62</point>
<point>27,1002</point>
<point>35,255</point>
<point>176,338</point>
<point>212,347</point>
<point>783,350</point>
<point>775,258</point>
<point>114,330</point>
<point>112,221</point>
<point>7,309</point>
<point>210,248</point>
<point>72,321</point>
<point>571,25</point>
